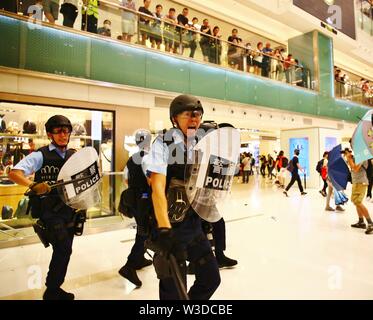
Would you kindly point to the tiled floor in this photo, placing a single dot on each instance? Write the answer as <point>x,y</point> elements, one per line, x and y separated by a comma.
<point>287,248</point>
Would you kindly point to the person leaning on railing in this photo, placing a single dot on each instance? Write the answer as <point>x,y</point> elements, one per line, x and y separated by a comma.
<point>184,36</point>
<point>215,46</point>
<point>169,31</point>
<point>194,36</point>
<point>144,21</point>
<point>156,34</point>
<point>90,15</point>
<point>128,20</point>
<point>204,42</point>
<point>258,58</point>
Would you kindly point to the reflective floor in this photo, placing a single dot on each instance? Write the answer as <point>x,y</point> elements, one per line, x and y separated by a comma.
<point>287,248</point>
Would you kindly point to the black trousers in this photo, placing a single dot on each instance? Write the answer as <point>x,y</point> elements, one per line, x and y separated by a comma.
<point>90,22</point>
<point>218,232</point>
<point>369,191</point>
<point>295,177</point>
<point>62,248</point>
<point>70,12</point>
<point>136,255</point>
<point>325,185</point>
<point>206,272</point>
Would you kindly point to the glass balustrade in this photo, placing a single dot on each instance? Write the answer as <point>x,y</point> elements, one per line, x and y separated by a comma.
<point>353,92</point>
<point>166,35</point>
<point>365,15</point>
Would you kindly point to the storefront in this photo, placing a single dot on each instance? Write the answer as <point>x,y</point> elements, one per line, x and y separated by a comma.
<point>22,131</point>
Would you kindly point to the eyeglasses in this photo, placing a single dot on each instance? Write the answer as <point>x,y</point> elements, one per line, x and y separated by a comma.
<point>191,114</point>
<point>60,130</point>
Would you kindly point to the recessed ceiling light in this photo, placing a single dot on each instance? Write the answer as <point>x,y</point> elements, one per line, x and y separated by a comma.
<point>329,2</point>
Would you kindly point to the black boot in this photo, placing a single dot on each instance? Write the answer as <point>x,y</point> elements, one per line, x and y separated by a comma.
<point>131,275</point>
<point>57,294</point>
<point>224,261</point>
<point>144,263</point>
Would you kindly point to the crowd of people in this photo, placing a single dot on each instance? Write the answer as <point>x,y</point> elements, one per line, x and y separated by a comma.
<point>175,32</point>
<point>361,178</point>
<point>360,91</point>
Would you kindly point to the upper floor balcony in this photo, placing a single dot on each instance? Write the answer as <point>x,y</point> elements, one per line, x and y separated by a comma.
<point>165,54</point>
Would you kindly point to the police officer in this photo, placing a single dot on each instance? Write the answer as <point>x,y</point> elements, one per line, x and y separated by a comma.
<point>136,180</point>
<point>56,216</point>
<point>179,230</point>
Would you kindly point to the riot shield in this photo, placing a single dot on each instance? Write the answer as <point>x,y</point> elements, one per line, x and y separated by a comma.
<point>210,174</point>
<point>79,180</point>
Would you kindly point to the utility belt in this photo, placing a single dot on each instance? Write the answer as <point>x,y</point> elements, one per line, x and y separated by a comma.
<point>129,198</point>
<point>59,232</point>
<point>177,200</point>
<point>39,204</point>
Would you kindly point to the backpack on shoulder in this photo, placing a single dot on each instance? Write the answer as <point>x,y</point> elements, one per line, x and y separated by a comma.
<point>319,166</point>
<point>290,166</point>
<point>284,162</point>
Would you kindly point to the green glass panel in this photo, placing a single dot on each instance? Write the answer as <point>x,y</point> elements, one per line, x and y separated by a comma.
<point>350,111</point>
<point>207,81</point>
<point>326,106</point>
<point>326,65</point>
<point>266,93</point>
<point>55,51</point>
<point>116,63</point>
<point>297,100</point>
<point>238,87</point>
<point>9,42</point>
<point>167,73</point>
<point>301,47</point>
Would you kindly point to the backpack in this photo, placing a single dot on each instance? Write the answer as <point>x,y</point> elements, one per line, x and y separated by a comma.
<point>319,166</point>
<point>127,203</point>
<point>290,166</point>
<point>284,162</point>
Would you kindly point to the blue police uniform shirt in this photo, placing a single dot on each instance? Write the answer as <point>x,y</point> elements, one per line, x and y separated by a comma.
<point>34,161</point>
<point>157,159</point>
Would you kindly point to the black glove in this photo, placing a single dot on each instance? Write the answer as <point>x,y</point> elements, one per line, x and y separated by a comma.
<point>167,242</point>
<point>40,188</point>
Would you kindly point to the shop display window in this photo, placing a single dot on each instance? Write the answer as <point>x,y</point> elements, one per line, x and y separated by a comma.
<point>22,131</point>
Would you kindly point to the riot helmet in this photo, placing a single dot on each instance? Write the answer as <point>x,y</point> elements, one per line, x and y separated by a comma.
<point>57,121</point>
<point>184,103</point>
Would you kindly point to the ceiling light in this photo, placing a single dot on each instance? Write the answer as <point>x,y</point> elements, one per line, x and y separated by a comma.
<point>329,2</point>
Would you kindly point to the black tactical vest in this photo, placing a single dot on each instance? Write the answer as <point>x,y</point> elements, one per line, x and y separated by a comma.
<point>52,203</point>
<point>177,170</point>
<point>136,177</point>
<point>178,205</point>
<point>52,164</point>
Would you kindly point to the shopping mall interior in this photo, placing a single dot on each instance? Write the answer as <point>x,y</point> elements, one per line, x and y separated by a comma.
<point>295,74</point>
